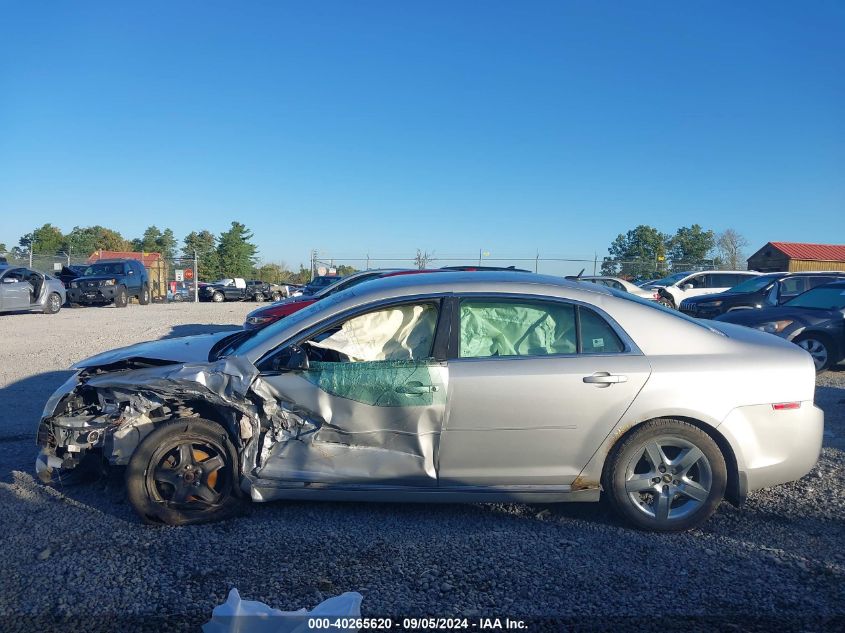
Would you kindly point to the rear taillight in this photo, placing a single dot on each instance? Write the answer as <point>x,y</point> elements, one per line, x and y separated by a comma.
<point>786,406</point>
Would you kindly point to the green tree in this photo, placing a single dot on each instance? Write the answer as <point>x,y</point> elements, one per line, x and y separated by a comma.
<point>344,270</point>
<point>302,276</point>
<point>2,247</point>
<point>45,240</point>
<point>690,246</point>
<point>156,241</point>
<point>204,244</point>
<point>640,251</point>
<point>273,273</point>
<point>236,252</point>
<point>148,243</point>
<point>82,241</point>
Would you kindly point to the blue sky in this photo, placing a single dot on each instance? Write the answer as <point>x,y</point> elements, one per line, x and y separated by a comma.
<point>383,127</point>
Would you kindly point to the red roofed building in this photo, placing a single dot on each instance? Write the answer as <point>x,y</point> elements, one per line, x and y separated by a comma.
<point>153,262</point>
<point>797,256</point>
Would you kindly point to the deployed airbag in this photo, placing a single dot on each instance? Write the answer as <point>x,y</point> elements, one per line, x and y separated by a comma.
<point>507,328</point>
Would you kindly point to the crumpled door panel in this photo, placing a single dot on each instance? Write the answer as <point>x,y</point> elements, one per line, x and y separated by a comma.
<point>376,422</point>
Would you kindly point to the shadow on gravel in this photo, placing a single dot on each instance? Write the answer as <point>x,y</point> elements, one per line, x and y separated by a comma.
<point>192,329</point>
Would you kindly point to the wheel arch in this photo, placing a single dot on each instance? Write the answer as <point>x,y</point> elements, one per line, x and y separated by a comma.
<point>737,488</point>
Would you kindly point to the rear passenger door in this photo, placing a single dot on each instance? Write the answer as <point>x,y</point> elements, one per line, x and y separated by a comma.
<point>535,385</point>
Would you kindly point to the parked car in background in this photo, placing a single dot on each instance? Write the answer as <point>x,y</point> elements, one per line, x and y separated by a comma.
<point>179,291</point>
<point>814,320</point>
<point>617,284</point>
<point>553,391</point>
<point>705,282</point>
<point>25,289</point>
<point>757,292</point>
<point>111,281</point>
<point>262,317</point>
<point>318,283</point>
<point>230,289</point>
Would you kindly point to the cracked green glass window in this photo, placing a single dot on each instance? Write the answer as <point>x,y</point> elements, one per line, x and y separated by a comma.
<point>516,328</point>
<point>389,383</point>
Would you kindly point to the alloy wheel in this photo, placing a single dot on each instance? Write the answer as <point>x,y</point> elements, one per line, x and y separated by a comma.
<point>668,479</point>
<point>817,350</point>
<point>190,473</point>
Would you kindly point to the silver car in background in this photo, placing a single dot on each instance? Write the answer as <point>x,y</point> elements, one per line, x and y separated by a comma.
<point>476,387</point>
<point>618,284</point>
<point>24,289</point>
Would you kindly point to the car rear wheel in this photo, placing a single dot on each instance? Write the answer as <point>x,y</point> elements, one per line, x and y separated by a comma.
<point>144,297</point>
<point>121,299</point>
<point>667,476</point>
<point>184,472</point>
<point>818,347</point>
<point>217,297</point>
<point>53,303</point>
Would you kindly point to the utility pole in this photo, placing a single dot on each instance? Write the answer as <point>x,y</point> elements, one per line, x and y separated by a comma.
<point>196,280</point>
<point>595,262</point>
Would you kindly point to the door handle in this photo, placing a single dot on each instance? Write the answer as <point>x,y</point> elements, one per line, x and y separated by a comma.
<point>605,378</point>
<point>415,389</point>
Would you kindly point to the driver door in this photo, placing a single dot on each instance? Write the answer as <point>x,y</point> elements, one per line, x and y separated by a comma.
<point>363,400</point>
<point>15,292</point>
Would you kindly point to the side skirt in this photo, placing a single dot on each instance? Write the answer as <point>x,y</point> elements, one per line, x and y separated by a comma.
<point>270,490</point>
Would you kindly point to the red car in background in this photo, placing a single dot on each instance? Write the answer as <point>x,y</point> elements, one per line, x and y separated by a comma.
<point>262,317</point>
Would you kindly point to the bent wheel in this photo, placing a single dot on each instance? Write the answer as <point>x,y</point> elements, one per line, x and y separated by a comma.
<point>667,476</point>
<point>183,472</point>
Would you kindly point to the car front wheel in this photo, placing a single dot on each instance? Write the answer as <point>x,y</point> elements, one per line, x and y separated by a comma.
<point>217,297</point>
<point>121,299</point>
<point>144,298</point>
<point>667,476</point>
<point>184,472</point>
<point>818,347</point>
<point>53,304</point>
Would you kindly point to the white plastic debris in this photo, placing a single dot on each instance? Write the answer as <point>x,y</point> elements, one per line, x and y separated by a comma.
<point>250,616</point>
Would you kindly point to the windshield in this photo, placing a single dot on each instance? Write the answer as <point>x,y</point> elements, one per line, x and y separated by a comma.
<point>343,284</point>
<point>821,298</point>
<point>754,284</point>
<point>114,268</point>
<point>668,281</point>
<point>259,337</point>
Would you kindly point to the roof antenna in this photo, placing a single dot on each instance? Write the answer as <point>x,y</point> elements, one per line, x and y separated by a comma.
<point>578,276</point>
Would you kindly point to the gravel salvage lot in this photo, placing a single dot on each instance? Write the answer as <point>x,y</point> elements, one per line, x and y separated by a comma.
<point>81,551</point>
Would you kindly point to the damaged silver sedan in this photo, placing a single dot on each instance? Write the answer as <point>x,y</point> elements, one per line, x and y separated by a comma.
<point>448,387</point>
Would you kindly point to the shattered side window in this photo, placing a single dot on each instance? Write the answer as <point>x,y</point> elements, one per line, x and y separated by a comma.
<point>397,333</point>
<point>516,328</point>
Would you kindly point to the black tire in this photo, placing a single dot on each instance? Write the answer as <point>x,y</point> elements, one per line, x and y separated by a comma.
<point>218,297</point>
<point>144,297</point>
<point>121,298</point>
<point>641,493</point>
<point>163,475</point>
<point>258,296</point>
<point>665,301</point>
<point>277,296</point>
<point>53,303</point>
<point>820,347</point>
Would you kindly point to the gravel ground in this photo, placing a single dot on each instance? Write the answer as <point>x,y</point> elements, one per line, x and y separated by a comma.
<point>81,552</point>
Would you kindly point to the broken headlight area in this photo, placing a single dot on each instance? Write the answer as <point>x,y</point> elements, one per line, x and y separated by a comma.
<point>88,421</point>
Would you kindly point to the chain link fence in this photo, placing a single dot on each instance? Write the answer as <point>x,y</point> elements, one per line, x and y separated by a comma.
<point>323,263</point>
